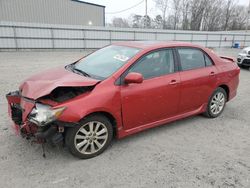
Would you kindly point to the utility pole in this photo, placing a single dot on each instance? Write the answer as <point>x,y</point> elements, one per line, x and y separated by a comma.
<point>146,7</point>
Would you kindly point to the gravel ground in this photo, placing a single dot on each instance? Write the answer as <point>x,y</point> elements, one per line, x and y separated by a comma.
<point>194,152</point>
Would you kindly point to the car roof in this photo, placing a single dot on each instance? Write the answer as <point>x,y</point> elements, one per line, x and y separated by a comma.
<point>155,44</point>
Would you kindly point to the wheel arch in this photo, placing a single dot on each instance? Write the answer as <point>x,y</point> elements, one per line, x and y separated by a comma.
<point>108,115</point>
<point>226,88</point>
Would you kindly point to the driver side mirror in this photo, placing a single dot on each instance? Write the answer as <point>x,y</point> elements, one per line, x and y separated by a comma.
<point>133,77</point>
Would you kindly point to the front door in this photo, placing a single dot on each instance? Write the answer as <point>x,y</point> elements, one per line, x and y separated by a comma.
<point>157,97</point>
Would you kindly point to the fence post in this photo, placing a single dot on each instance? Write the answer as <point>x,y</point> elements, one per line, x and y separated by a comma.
<point>155,35</point>
<point>15,37</point>
<point>233,40</point>
<point>206,40</point>
<point>84,39</point>
<point>134,35</point>
<point>220,40</point>
<point>245,37</point>
<point>192,35</point>
<point>110,37</point>
<point>174,36</point>
<point>52,37</point>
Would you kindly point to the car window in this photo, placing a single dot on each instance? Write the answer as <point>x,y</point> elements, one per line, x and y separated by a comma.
<point>155,64</point>
<point>208,60</point>
<point>191,58</point>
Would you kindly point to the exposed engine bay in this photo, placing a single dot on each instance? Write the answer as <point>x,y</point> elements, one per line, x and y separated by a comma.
<point>61,94</point>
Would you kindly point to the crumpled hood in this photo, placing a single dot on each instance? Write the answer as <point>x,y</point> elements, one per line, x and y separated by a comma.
<point>45,82</point>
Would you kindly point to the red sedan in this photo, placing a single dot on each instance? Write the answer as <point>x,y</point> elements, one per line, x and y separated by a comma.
<point>120,90</point>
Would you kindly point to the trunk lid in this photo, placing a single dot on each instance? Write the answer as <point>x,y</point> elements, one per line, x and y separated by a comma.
<point>228,59</point>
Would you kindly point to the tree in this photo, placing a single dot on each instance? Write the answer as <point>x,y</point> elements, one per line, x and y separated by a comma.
<point>238,18</point>
<point>170,22</point>
<point>212,19</point>
<point>209,15</point>
<point>185,14</point>
<point>137,19</point>
<point>198,8</point>
<point>120,22</point>
<point>162,5</point>
<point>176,8</point>
<point>158,22</point>
<point>146,21</point>
<point>229,8</point>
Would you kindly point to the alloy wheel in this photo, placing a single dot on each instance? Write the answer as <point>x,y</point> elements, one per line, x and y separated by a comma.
<point>217,103</point>
<point>91,137</point>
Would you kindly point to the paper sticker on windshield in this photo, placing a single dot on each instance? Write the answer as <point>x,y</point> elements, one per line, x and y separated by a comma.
<point>121,57</point>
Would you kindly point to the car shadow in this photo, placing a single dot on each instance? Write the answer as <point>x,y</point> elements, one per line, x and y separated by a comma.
<point>159,129</point>
<point>60,151</point>
<point>117,145</point>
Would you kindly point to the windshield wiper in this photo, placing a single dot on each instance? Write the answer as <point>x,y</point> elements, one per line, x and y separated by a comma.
<point>81,72</point>
<point>77,71</point>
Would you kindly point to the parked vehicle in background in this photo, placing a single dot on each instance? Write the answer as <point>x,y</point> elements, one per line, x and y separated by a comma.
<point>243,58</point>
<point>120,90</point>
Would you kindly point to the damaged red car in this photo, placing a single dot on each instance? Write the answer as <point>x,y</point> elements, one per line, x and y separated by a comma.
<point>120,90</point>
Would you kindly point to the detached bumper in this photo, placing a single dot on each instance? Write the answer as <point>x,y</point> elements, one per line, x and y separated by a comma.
<point>14,110</point>
<point>18,109</point>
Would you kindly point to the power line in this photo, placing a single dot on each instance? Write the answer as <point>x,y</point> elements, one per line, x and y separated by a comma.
<point>126,8</point>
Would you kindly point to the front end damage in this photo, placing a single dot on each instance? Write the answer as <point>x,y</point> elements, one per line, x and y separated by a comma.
<point>18,113</point>
<point>19,109</point>
<point>37,119</point>
<point>40,104</point>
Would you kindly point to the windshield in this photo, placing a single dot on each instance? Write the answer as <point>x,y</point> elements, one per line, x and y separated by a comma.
<point>104,62</point>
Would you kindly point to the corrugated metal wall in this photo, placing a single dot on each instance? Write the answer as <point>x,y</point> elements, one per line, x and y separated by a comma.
<point>45,36</point>
<point>68,12</point>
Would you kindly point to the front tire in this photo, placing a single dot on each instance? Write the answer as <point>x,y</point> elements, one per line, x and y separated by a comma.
<point>91,138</point>
<point>216,103</point>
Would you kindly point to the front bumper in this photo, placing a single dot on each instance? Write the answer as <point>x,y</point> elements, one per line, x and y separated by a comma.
<point>243,60</point>
<point>19,108</point>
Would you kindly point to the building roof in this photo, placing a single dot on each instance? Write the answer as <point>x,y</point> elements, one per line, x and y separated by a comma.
<point>79,1</point>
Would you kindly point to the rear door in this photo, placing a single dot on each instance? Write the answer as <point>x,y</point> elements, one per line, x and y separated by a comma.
<point>198,78</point>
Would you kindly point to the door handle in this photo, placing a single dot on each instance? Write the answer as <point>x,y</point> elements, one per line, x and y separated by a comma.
<point>212,73</point>
<point>173,82</point>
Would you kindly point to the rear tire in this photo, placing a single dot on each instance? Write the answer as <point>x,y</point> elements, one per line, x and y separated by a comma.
<point>90,138</point>
<point>216,103</point>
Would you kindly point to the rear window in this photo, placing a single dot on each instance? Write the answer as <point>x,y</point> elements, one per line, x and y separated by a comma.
<point>191,58</point>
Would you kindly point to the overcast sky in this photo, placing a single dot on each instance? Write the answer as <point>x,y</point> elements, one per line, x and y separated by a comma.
<point>117,5</point>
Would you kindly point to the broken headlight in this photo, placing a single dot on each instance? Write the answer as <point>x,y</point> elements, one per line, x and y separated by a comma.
<point>43,114</point>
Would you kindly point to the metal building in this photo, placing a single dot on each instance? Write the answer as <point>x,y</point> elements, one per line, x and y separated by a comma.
<point>67,12</point>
